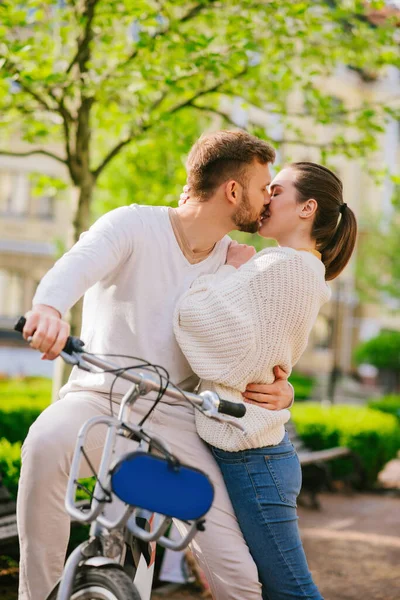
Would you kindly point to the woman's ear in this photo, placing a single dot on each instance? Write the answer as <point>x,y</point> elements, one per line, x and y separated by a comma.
<point>308,208</point>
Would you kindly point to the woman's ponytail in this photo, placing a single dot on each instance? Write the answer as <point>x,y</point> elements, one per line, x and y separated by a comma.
<point>335,226</point>
<point>337,252</point>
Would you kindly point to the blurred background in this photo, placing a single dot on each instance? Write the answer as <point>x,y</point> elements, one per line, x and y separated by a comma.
<point>100,102</point>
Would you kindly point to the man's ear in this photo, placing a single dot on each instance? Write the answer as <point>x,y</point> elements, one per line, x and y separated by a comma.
<point>233,192</point>
<point>308,208</point>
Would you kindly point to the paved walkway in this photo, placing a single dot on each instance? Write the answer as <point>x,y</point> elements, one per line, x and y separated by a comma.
<point>352,545</point>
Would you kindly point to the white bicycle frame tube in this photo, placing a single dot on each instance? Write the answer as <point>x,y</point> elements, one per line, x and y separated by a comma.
<point>117,515</point>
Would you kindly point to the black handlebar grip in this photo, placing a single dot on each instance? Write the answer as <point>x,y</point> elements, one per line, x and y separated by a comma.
<point>73,344</point>
<point>233,409</point>
<point>20,324</point>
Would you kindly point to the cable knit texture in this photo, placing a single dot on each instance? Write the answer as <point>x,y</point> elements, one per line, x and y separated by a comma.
<point>236,325</point>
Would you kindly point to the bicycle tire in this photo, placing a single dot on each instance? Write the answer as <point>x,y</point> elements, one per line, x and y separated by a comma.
<point>101,583</point>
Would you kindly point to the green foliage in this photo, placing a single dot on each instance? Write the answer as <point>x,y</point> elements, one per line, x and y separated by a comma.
<point>10,468</point>
<point>382,351</point>
<point>102,75</point>
<point>21,402</point>
<point>152,171</point>
<point>45,185</point>
<point>373,436</point>
<point>378,253</point>
<point>303,385</point>
<point>10,464</point>
<point>387,404</point>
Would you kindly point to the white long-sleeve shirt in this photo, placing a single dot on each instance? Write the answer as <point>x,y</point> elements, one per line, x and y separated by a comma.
<point>132,271</point>
<point>236,325</point>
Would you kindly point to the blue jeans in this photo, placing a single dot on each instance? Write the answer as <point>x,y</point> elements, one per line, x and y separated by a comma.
<point>263,485</point>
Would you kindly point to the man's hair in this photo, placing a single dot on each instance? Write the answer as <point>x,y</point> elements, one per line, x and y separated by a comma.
<point>223,155</point>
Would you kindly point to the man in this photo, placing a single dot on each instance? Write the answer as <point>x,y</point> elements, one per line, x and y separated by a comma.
<point>132,266</point>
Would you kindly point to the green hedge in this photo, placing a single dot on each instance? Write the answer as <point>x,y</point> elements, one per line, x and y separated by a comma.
<point>387,404</point>
<point>21,402</point>
<point>374,436</point>
<point>303,385</point>
<point>10,467</point>
<point>10,464</point>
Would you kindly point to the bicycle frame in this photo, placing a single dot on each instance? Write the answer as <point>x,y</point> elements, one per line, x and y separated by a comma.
<point>111,522</point>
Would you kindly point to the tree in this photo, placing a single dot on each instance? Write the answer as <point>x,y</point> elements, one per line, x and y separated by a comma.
<point>378,260</point>
<point>93,77</point>
<point>383,351</point>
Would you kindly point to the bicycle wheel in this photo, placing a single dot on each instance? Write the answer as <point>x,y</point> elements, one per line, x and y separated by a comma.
<point>105,583</point>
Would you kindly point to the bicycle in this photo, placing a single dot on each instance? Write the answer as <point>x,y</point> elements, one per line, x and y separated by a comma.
<point>126,520</point>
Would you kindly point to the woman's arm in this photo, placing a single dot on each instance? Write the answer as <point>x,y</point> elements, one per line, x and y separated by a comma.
<point>238,327</point>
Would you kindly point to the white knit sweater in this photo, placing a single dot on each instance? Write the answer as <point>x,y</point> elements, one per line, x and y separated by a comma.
<point>236,325</point>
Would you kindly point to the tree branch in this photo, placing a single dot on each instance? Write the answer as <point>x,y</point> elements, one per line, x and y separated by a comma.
<point>142,128</point>
<point>307,144</point>
<point>384,103</point>
<point>85,40</point>
<point>145,127</point>
<point>214,88</point>
<point>195,10</point>
<point>35,95</point>
<point>215,111</point>
<point>67,137</point>
<point>35,151</point>
<point>27,88</point>
<point>116,150</point>
<point>188,16</point>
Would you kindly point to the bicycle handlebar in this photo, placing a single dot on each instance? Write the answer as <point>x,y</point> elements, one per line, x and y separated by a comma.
<point>75,345</point>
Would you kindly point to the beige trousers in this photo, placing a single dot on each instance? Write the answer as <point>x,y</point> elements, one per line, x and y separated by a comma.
<point>44,525</point>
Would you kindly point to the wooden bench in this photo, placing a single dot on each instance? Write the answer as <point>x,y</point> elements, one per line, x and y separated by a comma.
<point>8,522</point>
<point>315,468</point>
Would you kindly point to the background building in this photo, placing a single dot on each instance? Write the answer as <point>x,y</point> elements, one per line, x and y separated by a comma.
<point>350,317</point>
<point>33,230</point>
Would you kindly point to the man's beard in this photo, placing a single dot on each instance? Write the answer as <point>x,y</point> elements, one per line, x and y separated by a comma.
<point>244,216</point>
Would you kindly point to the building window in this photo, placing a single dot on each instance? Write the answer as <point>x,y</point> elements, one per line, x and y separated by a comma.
<point>11,294</point>
<point>43,207</point>
<point>27,195</point>
<point>44,191</point>
<point>14,197</point>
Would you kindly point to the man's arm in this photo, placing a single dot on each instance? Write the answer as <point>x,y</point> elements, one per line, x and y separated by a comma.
<point>97,253</point>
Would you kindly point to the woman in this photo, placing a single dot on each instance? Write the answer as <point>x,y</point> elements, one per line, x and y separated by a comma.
<point>235,326</point>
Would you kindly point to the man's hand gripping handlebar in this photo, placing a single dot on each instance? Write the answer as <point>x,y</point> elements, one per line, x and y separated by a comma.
<point>208,402</point>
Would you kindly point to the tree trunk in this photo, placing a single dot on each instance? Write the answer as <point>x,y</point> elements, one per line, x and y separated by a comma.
<point>81,222</point>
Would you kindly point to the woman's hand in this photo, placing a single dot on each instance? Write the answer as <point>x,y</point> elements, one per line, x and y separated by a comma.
<point>184,197</point>
<point>238,254</point>
<point>273,396</point>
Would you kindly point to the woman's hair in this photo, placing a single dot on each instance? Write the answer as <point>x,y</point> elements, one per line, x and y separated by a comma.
<point>335,225</point>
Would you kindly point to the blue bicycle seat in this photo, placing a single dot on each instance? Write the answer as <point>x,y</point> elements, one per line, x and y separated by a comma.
<point>146,481</point>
